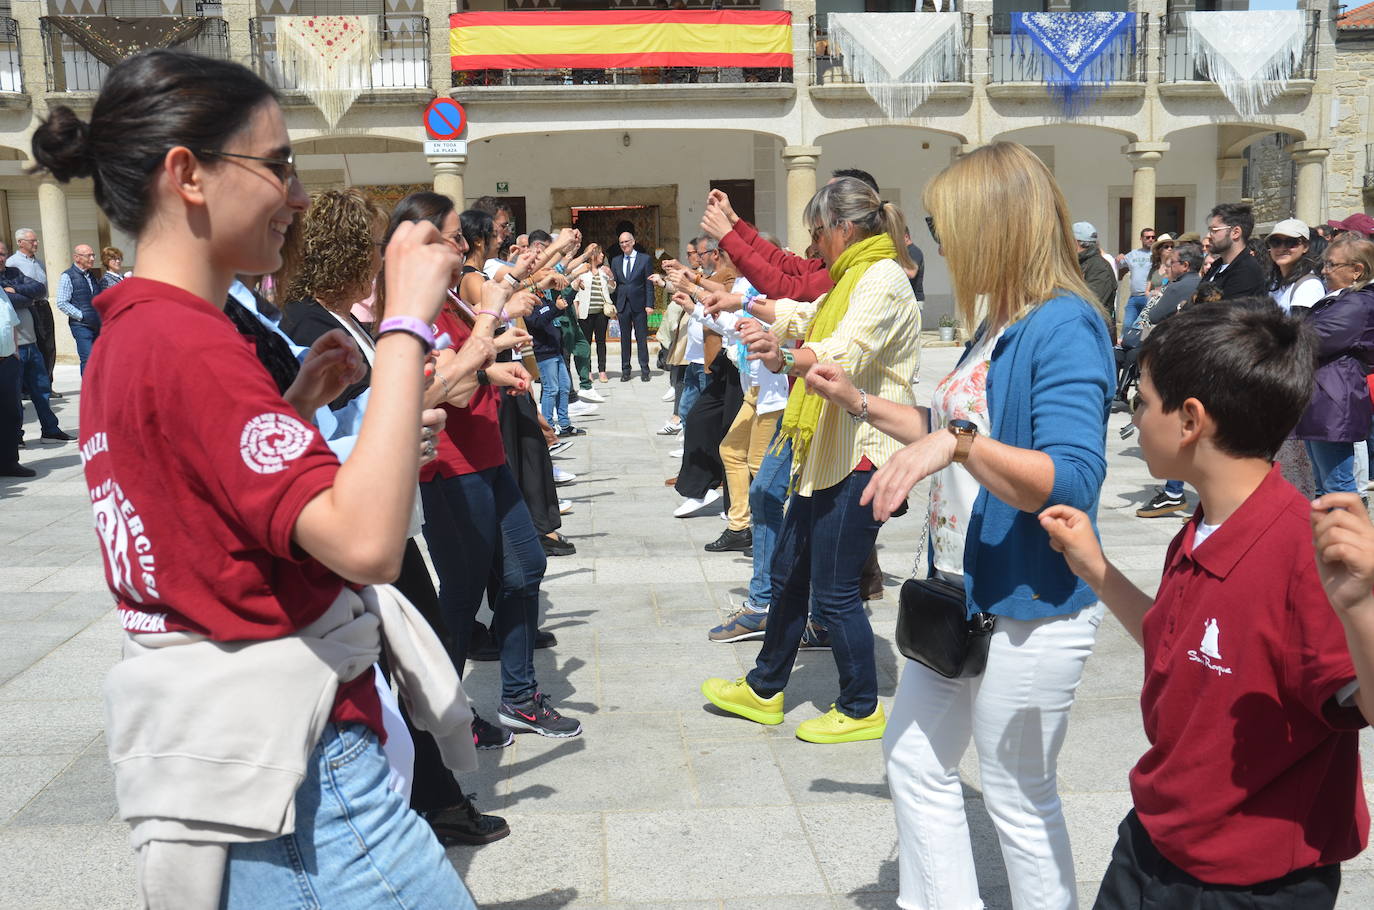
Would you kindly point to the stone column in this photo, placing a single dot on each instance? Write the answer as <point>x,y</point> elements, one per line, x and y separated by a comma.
<point>55,249</point>
<point>448,177</point>
<point>1144,156</point>
<point>237,15</point>
<point>800,161</point>
<point>1307,197</point>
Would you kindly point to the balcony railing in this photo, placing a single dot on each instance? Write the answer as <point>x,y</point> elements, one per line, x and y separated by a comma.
<point>11,77</point>
<point>1176,64</point>
<point>642,75</point>
<point>72,68</point>
<point>1369,167</point>
<point>402,62</point>
<point>1006,64</point>
<point>827,66</point>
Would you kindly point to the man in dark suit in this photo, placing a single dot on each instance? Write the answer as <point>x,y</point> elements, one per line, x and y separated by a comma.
<point>634,297</point>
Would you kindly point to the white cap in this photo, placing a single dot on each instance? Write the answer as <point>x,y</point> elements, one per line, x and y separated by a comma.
<point>1291,227</point>
<point>1084,232</point>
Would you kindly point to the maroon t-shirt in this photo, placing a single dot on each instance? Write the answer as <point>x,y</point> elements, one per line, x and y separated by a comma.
<point>471,440</point>
<point>197,471</point>
<point>1252,771</point>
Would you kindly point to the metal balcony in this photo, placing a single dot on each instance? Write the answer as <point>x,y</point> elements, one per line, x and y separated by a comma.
<point>402,62</point>
<point>827,66</point>
<point>1176,64</point>
<point>72,68</point>
<point>1006,65</point>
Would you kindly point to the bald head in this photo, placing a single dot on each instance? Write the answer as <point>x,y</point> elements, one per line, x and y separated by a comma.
<point>83,256</point>
<point>627,242</point>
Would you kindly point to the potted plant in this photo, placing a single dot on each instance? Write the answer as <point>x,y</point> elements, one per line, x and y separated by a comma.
<point>946,327</point>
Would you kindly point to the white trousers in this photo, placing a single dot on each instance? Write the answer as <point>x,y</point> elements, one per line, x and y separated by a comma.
<point>1017,714</point>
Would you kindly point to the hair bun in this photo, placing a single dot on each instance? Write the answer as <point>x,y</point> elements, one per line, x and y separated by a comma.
<point>61,145</point>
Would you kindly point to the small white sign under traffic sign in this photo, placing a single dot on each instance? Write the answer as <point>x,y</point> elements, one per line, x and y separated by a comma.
<point>440,147</point>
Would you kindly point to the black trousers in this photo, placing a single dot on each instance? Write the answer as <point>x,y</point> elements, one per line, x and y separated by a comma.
<point>45,331</point>
<point>1139,878</point>
<point>594,329</point>
<point>434,787</point>
<point>705,426</point>
<point>11,408</point>
<point>527,454</point>
<point>639,324</point>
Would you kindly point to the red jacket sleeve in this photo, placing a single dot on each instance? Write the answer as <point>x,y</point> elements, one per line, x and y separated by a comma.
<point>775,273</point>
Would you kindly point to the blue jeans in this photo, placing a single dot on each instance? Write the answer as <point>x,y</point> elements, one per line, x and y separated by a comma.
<point>555,385</point>
<point>84,338</point>
<point>1333,466</point>
<point>38,387</point>
<point>1173,487</point>
<point>480,534</point>
<point>825,540</point>
<point>767,499</point>
<point>694,379</point>
<point>1134,304</point>
<point>357,844</point>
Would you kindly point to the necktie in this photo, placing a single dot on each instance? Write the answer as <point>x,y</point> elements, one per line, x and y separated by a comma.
<point>629,264</point>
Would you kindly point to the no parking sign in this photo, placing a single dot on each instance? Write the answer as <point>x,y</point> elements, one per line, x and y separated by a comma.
<point>444,119</point>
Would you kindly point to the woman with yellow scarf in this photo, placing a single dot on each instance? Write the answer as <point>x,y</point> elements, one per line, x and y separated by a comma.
<point>869,325</point>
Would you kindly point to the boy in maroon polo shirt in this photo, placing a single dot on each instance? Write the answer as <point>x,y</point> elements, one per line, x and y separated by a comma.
<point>1250,794</point>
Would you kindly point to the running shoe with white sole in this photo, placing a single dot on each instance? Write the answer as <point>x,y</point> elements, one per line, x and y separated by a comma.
<point>534,715</point>
<point>565,507</point>
<point>582,409</point>
<point>692,507</point>
<point>591,395</point>
<point>561,476</point>
<point>670,429</point>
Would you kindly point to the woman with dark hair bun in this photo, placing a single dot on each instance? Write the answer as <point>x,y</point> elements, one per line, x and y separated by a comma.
<point>244,722</point>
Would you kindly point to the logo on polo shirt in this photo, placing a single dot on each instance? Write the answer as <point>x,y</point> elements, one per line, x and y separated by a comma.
<point>271,441</point>
<point>1208,653</point>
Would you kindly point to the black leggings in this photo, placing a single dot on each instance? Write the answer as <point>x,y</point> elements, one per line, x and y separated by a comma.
<point>594,327</point>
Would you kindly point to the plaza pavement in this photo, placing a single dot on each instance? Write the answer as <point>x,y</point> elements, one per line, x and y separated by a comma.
<point>662,803</point>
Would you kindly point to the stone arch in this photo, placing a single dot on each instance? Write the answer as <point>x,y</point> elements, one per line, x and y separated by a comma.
<point>958,137</point>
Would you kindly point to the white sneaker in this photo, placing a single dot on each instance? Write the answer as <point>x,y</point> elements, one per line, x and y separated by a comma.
<point>581,409</point>
<point>561,476</point>
<point>669,395</point>
<point>670,429</point>
<point>724,516</point>
<point>565,507</point>
<point>675,453</point>
<point>591,395</point>
<point>691,507</point>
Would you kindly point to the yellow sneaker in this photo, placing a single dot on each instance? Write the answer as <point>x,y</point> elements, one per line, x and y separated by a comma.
<point>836,727</point>
<point>737,697</point>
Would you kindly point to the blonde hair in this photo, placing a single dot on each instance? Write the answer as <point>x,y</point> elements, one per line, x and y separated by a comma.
<point>1005,233</point>
<point>1361,253</point>
<point>852,200</point>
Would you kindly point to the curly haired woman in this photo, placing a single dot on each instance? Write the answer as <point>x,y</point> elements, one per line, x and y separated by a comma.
<point>335,258</point>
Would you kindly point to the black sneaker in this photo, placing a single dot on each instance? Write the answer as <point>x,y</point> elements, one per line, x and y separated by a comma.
<point>731,541</point>
<point>626,376</point>
<point>644,376</point>
<point>59,436</point>
<point>559,447</point>
<point>17,470</point>
<point>544,639</point>
<point>557,546</point>
<point>1163,504</point>
<point>535,715</point>
<point>570,430</point>
<point>486,735</point>
<point>463,824</point>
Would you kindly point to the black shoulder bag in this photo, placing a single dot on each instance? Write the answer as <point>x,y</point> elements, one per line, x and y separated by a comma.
<point>934,626</point>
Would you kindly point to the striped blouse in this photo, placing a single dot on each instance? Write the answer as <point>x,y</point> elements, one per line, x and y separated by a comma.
<point>878,343</point>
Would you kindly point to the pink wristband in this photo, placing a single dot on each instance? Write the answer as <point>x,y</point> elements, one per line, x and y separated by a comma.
<point>411,326</point>
<point>492,313</point>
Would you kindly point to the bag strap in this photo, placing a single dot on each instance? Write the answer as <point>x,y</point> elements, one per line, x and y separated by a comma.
<point>921,550</point>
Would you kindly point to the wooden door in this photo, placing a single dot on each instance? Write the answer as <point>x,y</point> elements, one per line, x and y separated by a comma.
<point>1170,218</point>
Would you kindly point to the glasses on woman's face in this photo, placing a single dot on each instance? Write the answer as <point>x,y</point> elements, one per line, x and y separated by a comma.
<point>1284,243</point>
<point>816,234</point>
<point>930,226</point>
<point>284,169</point>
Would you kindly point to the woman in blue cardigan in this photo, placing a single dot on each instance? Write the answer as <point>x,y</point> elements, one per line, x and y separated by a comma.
<point>1019,425</point>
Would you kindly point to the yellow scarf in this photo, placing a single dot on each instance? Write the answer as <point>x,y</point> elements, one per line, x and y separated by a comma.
<point>803,412</point>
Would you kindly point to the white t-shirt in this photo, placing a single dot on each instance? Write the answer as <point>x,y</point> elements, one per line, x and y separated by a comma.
<point>1204,531</point>
<point>962,395</point>
<point>1304,293</point>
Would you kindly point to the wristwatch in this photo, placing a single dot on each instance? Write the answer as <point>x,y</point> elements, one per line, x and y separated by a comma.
<point>964,431</point>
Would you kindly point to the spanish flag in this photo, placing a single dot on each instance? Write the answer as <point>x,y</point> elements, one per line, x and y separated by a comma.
<point>603,39</point>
